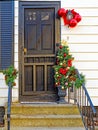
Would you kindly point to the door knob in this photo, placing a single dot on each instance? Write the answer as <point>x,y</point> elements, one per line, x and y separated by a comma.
<point>25,50</point>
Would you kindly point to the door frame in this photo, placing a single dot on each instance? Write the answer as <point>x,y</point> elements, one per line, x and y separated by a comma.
<point>35,4</point>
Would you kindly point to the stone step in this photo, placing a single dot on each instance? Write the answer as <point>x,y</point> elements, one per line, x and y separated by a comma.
<point>55,109</point>
<point>45,128</point>
<point>45,115</point>
<point>46,120</point>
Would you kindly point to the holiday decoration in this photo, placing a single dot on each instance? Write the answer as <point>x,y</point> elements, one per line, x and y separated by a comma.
<point>70,17</point>
<point>61,12</point>
<point>10,76</point>
<point>65,74</point>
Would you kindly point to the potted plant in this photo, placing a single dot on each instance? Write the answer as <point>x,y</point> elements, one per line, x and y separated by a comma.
<point>65,73</point>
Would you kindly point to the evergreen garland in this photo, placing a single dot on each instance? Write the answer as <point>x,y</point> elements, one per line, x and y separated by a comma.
<point>10,75</point>
<point>65,74</point>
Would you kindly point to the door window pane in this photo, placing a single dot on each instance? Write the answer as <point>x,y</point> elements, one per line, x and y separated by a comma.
<point>30,15</point>
<point>45,16</point>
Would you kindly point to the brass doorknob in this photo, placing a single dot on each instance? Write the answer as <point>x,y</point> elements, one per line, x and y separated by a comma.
<point>25,50</point>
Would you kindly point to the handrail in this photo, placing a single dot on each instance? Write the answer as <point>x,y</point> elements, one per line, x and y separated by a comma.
<point>86,92</point>
<point>9,105</point>
<point>89,99</point>
<point>86,107</point>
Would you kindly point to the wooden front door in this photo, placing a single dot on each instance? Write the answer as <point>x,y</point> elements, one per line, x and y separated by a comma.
<point>38,33</point>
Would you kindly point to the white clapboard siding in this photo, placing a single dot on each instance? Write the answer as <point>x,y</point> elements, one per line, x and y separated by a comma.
<point>16,21</point>
<point>81,39</point>
<point>16,4</point>
<point>90,75</point>
<point>86,21</point>
<point>2,84</point>
<point>16,64</point>
<point>16,48</point>
<point>16,39</point>
<point>3,101</point>
<point>84,48</point>
<point>85,56</point>
<point>89,12</point>
<point>16,56</point>
<point>86,65</point>
<point>93,92</point>
<point>79,3</point>
<point>14,92</point>
<point>4,92</point>
<point>92,84</point>
<point>93,30</point>
<point>17,83</point>
<point>16,29</point>
<point>1,76</point>
<point>16,60</point>
<point>95,100</point>
<point>16,10</point>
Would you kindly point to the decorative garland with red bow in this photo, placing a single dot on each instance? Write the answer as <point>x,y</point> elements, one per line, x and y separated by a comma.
<point>64,72</point>
<point>70,17</point>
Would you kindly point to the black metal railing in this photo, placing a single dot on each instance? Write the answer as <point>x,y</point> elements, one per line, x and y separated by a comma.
<point>86,107</point>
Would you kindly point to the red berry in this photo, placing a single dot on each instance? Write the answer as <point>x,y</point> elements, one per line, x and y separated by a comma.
<point>64,54</point>
<point>60,46</point>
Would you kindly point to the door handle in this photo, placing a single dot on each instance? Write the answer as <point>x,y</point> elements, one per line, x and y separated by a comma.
<point>25,50</point>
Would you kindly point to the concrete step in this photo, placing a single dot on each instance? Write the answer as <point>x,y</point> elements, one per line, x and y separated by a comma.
<point>45,128</point>
<point>55,109</point>
<point>45,115</point>
<point>46,120</point>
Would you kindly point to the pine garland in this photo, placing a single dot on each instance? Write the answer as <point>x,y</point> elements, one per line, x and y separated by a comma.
<point>10,75</point>
<point>65,74</point>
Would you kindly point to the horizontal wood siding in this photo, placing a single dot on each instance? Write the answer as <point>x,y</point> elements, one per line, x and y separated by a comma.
<point>83,42</point>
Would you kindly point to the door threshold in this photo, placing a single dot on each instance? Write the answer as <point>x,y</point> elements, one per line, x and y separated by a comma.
<point>38,102</point>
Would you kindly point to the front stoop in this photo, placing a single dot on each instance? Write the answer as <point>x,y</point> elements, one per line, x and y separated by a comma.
<point>45,115</point>
<point>46,120</point>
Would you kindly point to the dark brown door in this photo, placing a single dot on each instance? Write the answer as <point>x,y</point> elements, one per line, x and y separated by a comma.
<point>38,38</point>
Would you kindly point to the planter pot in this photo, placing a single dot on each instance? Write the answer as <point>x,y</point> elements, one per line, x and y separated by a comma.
<point>61,94</point>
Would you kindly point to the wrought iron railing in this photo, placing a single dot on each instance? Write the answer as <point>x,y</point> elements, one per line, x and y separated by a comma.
<point>85,105</point>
